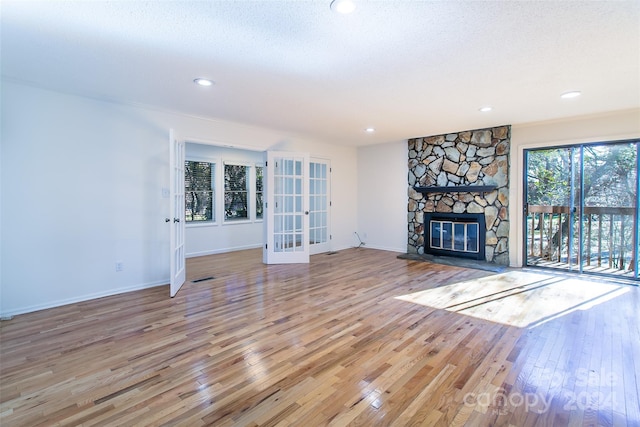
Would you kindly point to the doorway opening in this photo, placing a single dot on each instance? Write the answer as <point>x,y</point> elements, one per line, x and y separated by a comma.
<point>214,222</point>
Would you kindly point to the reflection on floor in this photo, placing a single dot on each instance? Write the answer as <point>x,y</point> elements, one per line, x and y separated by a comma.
<point>518,298</point>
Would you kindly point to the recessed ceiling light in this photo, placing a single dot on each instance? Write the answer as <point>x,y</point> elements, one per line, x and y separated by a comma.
<point>571,94</point>
<point>343,6</point>
<point>370,130</point>
<point>485,109</point>
<point>203,82</point>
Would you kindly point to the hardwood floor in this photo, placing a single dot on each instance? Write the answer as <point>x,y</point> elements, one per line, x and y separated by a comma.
<point>357,338</point>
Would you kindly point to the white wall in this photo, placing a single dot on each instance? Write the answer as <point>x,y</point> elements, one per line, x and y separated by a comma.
<point>382,196</point>
<point>614,126</point>
<point>82,188</point>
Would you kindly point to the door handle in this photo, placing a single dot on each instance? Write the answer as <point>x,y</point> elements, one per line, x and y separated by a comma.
<point>167,220</point>
<point>176,219</point>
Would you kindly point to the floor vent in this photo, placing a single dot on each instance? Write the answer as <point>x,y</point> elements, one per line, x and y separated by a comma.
<point>204,279</point>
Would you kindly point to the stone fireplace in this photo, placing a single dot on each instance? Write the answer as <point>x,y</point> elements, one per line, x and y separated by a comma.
<point>452,178</point>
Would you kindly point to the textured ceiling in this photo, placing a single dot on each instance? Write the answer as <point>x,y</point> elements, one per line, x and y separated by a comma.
<point>407,68</point>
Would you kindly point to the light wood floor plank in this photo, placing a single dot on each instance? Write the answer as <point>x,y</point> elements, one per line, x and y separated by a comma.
<point>355,338</point>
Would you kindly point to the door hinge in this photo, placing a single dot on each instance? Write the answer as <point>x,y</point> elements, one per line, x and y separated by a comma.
<point>330,203</point>
<point>330,237</point>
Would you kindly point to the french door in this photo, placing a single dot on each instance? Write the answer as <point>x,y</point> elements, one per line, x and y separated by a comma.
<point>581,206</point>
<point>319,206</point>
<point>176,218</point>
<point>286,208</point>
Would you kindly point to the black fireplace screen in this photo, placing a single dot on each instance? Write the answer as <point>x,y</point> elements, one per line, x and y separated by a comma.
<point>460,235</point>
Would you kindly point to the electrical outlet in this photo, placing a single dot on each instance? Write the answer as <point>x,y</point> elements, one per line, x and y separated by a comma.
<point>119,266</point>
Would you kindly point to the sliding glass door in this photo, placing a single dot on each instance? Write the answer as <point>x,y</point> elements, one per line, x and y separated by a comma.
<point>582,208</point>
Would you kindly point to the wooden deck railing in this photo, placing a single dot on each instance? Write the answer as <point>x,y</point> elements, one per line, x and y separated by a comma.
<point>609,235</point>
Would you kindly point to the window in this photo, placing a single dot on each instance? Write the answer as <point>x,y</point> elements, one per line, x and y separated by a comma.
<point>239,191</point>
<point>235,192</point>
<point>259,174</point>
<point>199,191</point>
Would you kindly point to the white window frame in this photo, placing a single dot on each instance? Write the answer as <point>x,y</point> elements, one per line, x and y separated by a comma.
<point>254,190</point>
<point>250,190</point>
<point>219,191</point>
<point>215,188</point>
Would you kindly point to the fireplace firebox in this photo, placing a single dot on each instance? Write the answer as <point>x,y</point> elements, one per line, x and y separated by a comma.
<point>455,234</point>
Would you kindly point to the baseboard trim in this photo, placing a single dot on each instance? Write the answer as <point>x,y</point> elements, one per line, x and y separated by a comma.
<point>383,248</point>
<point>221,251</point>
<point>82,298</point>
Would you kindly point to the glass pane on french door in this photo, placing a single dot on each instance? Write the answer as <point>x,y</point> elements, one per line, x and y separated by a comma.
<point>581,208</point>
<point>288,213</point>
<point>319,205</point>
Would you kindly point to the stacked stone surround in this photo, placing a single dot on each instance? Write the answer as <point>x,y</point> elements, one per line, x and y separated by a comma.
<point>475,157</point>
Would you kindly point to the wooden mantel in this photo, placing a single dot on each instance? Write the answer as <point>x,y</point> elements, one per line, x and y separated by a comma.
<point>455,189</point>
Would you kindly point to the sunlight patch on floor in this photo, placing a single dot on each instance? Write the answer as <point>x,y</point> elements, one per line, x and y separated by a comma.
<point>518,298</point>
